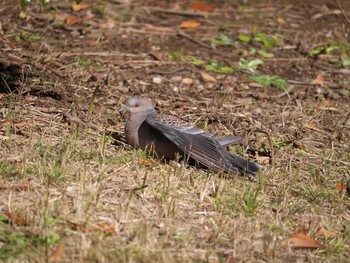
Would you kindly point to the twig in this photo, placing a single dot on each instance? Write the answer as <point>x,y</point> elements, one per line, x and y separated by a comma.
<point>284,59</point>
<point>343,125</point>
<point>206,46</point>
<point>220,53</point>
<point>196,41</point>
<point>342,11</point>
<point>176,12</point>
<point>68,117</point>
<point>324,159</point>
<point>110,71</point>
<point>284,93</point>
<point>172,72</point>
<point>57,73</point>
<point>328,84</point>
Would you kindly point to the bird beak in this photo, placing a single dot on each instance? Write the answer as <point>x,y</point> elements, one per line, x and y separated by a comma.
<point>123,109</point>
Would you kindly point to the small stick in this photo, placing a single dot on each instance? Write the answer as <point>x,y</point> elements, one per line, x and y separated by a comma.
<point>176,12</point>
<point>200,43</point>
<point>188,37</point>
<point>342,11</point>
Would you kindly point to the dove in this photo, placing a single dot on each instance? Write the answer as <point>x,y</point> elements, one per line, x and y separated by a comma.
<point>170,137</point>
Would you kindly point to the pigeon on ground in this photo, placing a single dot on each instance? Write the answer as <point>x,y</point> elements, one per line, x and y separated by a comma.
<point>171,137</point>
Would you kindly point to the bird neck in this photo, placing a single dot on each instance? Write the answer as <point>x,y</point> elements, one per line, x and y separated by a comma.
<point>149,111</point>
<point>133,125</point>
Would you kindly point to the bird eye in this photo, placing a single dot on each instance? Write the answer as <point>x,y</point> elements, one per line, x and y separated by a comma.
<point>137,105</point>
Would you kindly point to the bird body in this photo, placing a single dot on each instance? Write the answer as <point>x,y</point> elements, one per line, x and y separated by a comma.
<point>169,137</point>
<point>141,135</point>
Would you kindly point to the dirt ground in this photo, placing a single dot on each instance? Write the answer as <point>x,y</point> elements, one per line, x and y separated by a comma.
<point>275,72</point>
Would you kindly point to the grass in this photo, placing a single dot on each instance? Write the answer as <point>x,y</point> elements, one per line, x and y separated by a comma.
<point>68,193</point>
<point>157,211</point>
<point>162,212</point>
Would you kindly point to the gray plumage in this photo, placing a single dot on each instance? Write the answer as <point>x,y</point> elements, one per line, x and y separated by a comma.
<point>169,137</point>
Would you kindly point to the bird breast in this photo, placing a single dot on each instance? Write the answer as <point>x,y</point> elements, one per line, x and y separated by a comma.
<point>132,128</point>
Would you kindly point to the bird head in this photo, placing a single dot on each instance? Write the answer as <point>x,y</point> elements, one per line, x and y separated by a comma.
<point>137,104</point>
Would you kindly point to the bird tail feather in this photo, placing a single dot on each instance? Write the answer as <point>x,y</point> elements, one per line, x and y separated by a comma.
<point>243,165</point>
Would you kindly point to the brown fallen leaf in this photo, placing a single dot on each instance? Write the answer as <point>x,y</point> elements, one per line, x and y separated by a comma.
<point>318,80</point>
<point>208,78</point>
<point>17,220</point>
<point>81,6</point>
<point>77,226</point>
<point>105,227</point>
<point>92,43</point>
<point>21,124</point>
<point>71,20</point>
<point>56,255</point>
<point>162,103</point>
<point>146,162</point>
<point>301,241</point>
<point>179,104</point>
<point>263,159</point>
<point>311,126</point>
<point>346,217</point>
<point>17,186</point>
<point>189,24</point>
<point>232,259</point>
<point>322,232</point>
<point>109,24</point>
<point>202,7</point>
<point>341,187</point>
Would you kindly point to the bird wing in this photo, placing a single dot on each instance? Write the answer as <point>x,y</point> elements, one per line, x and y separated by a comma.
<point>227,141</point>
<point>198,144</point>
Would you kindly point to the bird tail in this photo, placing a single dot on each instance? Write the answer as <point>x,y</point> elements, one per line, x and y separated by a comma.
<point>244,166</point>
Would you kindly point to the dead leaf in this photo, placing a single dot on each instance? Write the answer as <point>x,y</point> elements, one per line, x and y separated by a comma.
<point>107,228</point>
<point>92,43</point>
<point>56,255</point>
<point>322,232</point>
<point>60,16</point>
<point>89,15</point>
<point>17,220</point>
<point>310,126</point>
<point>159,28</point>
<point>202,7</point>
<point>77,226</point>
<point>19,124</point>
<point>109,24</point>
<point>318,80</point>
<point>263,159</point>
<point>189,24</point>
<point>162,103</point>
<point>341,187</point>
<point>146,162</point>
<point>346,218</point>
<point>17,186</point>
<point>208,78</point>
<point>280,20</point>
<point>232,259</point>
<point>179,104</point>
<point>81,6</point>
<point>301,241</point>
<point>23,15</point>
<point>187,81</point>
<point>71,20</point>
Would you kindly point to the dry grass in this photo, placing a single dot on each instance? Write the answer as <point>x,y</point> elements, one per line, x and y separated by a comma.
<point>70,193</point>
<point>111,203</point>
